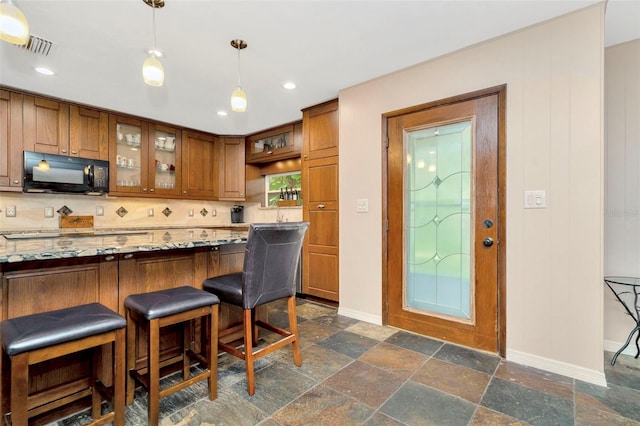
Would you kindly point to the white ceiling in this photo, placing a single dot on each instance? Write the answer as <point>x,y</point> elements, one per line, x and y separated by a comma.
<point>323,46</point>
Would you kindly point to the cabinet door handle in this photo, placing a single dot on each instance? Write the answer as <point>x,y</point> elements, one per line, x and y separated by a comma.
<point>151,190</point>
<point>144,189</point>
<point>74,152</point>
<point>109,258</point>
<point>184,192</point>
<point>16,182</point>
<point>321,206</point>
<point>64,151</point>
<point>128,256</point>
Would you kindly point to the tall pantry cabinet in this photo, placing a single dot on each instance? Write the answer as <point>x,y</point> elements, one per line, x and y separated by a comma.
<point>320,195</point>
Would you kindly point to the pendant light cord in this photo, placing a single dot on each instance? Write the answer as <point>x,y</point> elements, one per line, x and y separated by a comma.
<point>153,6</point>
<point>238,65</point>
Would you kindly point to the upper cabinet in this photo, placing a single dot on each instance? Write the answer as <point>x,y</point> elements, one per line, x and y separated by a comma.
<point>46,126</point>
<point>88,133</point>
<point>231,169</point>
<point>320,131</point>
<point>278,143</point>
<point>55,127</point>
<point>199,162</point>
<point>10,141</point>
<point>128,156</point>
<point>145,158</point>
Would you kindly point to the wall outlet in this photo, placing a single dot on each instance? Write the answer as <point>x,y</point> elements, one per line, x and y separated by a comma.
<point>190,212</point>
<point>214,213</point>
<point>149,212</point>
<point>48,212</point>
<point>99,211</point>
<point>10,211</point>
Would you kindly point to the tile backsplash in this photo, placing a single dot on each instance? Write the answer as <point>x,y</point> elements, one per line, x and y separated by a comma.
<point>140,212</point>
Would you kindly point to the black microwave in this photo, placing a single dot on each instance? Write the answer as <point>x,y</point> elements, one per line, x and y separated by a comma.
<point>61,174</point>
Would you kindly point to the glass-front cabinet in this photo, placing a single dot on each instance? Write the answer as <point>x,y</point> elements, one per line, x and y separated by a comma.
<point>274,144</point>
<point>146,158</point>
<point>129,158</point>
<point>165,160</point>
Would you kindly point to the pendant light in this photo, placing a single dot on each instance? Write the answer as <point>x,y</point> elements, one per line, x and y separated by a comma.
<point>14,27</point>
<point>238,97</point>
<point>152,69</point>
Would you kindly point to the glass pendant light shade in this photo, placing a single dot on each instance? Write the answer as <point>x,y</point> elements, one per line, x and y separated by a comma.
<point>239,100</point>
<point>153,71</point>
<point>14,27</point>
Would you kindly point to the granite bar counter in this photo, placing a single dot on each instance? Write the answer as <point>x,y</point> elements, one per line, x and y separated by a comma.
<point>62,244</point>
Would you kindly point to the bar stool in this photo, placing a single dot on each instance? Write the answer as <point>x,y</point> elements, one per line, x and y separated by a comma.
<point>270,272</point>
<point>31,339</point>
<point>155,310</point>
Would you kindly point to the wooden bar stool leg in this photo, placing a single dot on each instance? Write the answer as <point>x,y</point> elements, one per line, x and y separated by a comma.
<point>131,357</point>
<point>19,389</point>
<point>293,327</point>
<point>96,397</point>
<point>186,345</point>
<point>248,351</point>
<point>212,352</point>
<point>119,372</point>
<point>153,356</point>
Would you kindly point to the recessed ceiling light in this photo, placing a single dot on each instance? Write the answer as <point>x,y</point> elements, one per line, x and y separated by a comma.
<point>44,70</point>
<point>222,113</point>
<point>290,85</point>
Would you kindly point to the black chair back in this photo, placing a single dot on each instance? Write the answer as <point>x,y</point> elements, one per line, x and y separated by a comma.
<point>271,261</point>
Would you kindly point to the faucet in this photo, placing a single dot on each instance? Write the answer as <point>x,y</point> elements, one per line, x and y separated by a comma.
<point>279,218</point>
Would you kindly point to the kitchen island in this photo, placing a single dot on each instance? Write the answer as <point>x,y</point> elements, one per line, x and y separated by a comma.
<point>44,271</point>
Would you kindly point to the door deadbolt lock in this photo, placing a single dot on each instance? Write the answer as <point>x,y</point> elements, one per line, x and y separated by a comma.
<point>488,223</point>
<point>488,242</point>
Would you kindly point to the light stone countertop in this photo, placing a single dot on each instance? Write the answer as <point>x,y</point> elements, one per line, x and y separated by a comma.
<point>66,243</point>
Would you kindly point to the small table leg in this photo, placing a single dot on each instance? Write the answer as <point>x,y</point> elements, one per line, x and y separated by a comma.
<point>615,357</point>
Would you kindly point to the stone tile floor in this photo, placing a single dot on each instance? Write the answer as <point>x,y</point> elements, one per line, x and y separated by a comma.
<point>355,373</point>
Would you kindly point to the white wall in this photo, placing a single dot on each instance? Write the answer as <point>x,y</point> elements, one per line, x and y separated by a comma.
<point>622,193</point>
<point>554,77</point>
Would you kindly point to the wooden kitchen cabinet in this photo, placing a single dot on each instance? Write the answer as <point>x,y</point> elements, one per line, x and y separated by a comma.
<point>165,161</point>
<point>55,127</point>
<point>88,133</point>
<point>231,169</point>
<point>11,161</point>
<point>320,255</point>
<point>320,131</point>
<point>199,161</point>
<point>128,156</point>
<point>278,143</point>
<point>46,125</point>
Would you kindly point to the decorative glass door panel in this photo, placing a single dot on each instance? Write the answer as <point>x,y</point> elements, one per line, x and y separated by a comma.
<point>165,147</point>
<point>438,218</point>
<point>129,157</point>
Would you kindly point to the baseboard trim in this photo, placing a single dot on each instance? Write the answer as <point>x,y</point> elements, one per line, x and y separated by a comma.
<point>558,367</point>
<point>362,316</point>
<point>611,346</point>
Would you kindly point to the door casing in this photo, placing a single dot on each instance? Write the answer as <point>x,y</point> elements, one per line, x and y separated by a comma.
<point>501,92</point>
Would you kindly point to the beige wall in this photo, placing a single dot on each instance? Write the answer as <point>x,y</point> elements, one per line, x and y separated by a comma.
<point>554,77</point>
<point>622,180</point>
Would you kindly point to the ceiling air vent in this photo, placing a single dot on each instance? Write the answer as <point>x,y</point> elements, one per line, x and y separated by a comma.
<point>38,45</point>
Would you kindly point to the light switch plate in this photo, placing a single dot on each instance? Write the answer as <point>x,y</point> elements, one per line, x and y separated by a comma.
<point>48,212</point>
<point>535,199</point>
<point>99,211</point>
<point>362,205</point>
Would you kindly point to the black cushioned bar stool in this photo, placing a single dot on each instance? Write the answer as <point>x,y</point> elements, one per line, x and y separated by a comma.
<point>269,272</point>
<point>158,309</point>
<point>31,339</point>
